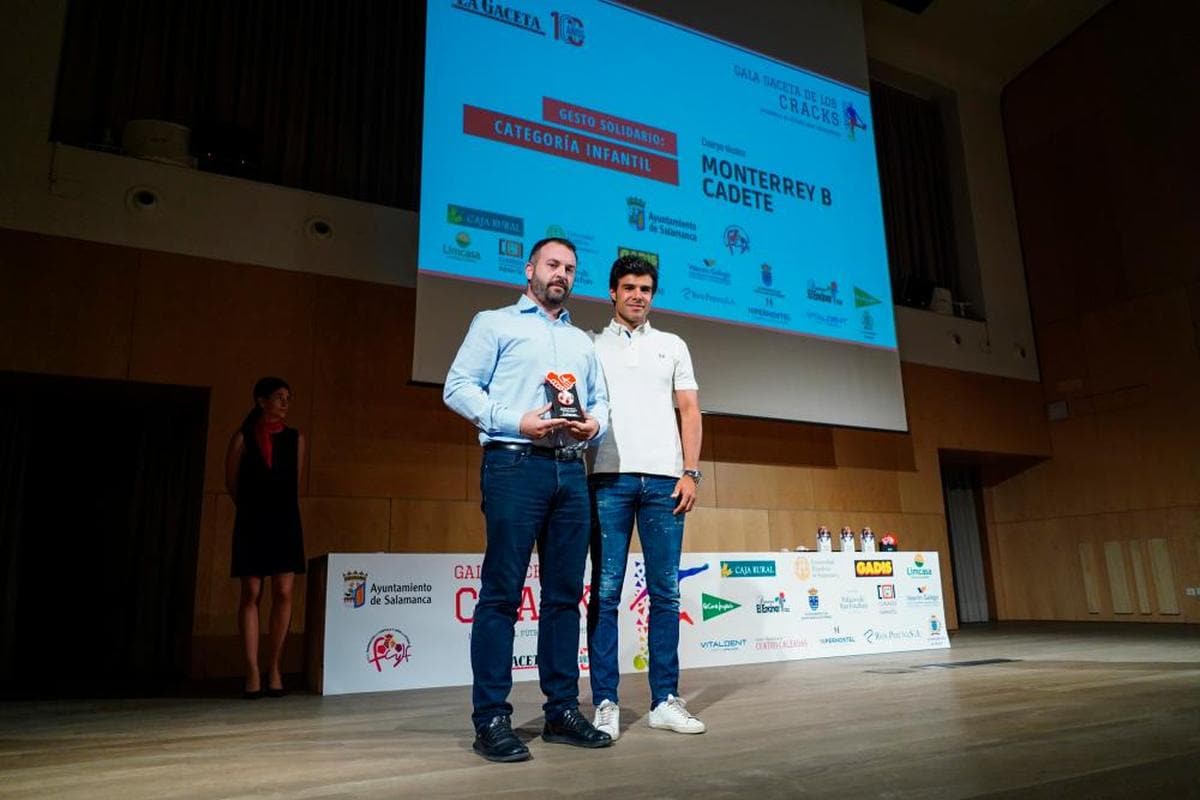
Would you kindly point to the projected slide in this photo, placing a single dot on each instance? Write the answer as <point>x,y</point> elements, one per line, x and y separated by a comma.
<point>752,184</point>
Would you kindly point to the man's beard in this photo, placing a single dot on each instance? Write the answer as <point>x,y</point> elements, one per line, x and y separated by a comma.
<point>541,291</point>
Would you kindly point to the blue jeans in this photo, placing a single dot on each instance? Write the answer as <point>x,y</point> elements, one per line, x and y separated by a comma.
<point>616,500</point>
<point>529,499</point>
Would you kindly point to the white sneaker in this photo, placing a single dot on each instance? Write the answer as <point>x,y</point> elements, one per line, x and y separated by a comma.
<point>608,719</point>
<point>672,715</point>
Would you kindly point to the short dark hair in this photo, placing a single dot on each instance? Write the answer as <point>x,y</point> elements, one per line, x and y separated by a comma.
<point>632,265</point>
<point>540,243</point>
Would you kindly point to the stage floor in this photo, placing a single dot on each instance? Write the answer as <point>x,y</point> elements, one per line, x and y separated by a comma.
<point>1084,710</point>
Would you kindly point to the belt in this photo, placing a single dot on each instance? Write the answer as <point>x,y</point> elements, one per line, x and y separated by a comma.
<point>557,453</point>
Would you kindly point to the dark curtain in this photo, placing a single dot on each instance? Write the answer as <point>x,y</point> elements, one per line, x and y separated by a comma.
<point>15,416</point>
<point>103,549</point>
<point>323,95</point>
<point>914,179</point>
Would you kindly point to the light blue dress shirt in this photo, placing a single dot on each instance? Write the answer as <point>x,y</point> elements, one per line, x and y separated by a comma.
<point>500,371</point>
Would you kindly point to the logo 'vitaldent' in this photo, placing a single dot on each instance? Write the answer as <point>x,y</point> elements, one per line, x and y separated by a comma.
<point>712,606</point>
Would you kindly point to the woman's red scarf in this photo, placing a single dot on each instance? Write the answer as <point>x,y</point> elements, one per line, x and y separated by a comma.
<point>262,435</point>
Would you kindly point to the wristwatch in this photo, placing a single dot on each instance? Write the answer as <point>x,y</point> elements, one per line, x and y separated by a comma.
<point>694,474</point>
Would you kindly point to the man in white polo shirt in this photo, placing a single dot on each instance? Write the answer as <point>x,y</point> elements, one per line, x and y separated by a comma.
<point>643,471</point>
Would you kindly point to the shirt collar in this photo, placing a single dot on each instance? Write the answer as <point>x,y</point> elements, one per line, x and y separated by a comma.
<point>616,328</point>
<point>527,306</point>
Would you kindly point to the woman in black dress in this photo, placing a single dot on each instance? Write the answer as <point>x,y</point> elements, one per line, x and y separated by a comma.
<point>262,472</point>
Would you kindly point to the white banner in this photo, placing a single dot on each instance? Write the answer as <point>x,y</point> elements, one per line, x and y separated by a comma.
<point>400,621</point>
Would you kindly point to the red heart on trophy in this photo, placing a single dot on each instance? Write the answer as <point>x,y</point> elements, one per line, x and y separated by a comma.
<point>562,382</point>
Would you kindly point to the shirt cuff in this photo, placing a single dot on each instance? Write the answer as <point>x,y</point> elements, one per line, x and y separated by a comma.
<point>508,423</point>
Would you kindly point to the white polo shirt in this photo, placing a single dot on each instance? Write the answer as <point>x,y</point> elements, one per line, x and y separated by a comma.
<point>643,369</point>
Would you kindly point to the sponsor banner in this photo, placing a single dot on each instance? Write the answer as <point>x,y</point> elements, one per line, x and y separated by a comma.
<point>399,621</point>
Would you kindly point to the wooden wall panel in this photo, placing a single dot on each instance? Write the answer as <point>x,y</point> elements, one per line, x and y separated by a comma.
<point>1091,578</point>
<point>216,592</point>
<point>734,529</point>
<point>852,488</point>
<point>738,485</point>
<point>376,466</point>
<point>1141,580</point>
<point>1113,285</point>
<point>1118,577</point>
<point>207,323</point>
<point>874,450</point>
<point>1164,576</point>
<point>921,489</point>
<point>758,441</point>
<point>66,306</point>
<point>427,526</point>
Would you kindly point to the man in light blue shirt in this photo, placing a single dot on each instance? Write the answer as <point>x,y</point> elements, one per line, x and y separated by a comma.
<point>534,486</point>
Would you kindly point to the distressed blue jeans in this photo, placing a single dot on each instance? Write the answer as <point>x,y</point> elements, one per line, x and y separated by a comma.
<point>617,500</point>
<point>528,500</point>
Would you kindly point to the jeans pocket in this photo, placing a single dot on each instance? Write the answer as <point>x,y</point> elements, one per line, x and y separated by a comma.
<point>503,460</point>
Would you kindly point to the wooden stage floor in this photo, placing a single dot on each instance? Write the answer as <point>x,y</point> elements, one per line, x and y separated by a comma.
<point>1085,710</point>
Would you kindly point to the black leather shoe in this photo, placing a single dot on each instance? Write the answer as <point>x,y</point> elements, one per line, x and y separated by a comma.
<point>497,742</point>
<point>573,728</point>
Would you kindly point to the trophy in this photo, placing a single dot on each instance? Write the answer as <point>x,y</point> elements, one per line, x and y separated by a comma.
<point>867,537</point>
<point>847,539</point>
<point>824,540</point>
<point>563,396</point>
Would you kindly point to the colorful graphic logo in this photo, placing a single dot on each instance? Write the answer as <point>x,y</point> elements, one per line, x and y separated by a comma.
<point>459,250</point>
<point>918,569</point>
<point>766,275</point>
<point>935,624</point>
<point>824,294</point>
<point>747,569</point>
<point>868,322</point>
<point>388,646</point>
<point>568,29</point>
<point>853,120</point>
<point>635,213</point>
<point>875,568</point>
<point>772,605</point>
<point>640,606</point>
<point>355,593</point>
<point>712,606</point>
<point>802,568</point>
<point>862,299</point>
<point>630,251</point>
<point>886,591</point>
<point>485,220</point>
<point>510,248</point>
<point>736,239</point>
<point>814,598</point>
<point>556,232</point>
